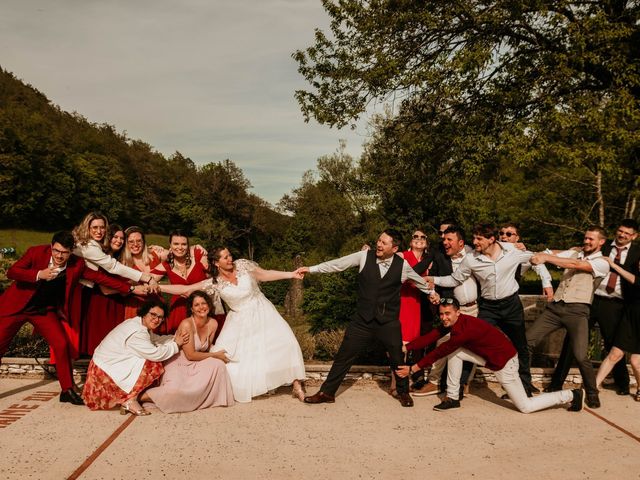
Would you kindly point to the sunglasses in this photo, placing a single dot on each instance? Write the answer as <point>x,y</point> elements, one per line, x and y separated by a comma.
<point>419,237</point>
<point>441,232</point>
<point>507,234</point>
<point>447,301</point>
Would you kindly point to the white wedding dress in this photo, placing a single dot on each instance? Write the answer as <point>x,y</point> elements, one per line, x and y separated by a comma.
<point>262,349</point>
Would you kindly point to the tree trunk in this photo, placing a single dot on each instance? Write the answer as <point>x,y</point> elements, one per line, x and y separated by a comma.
<point>630,207</point>
<point>293,299</point>
<point>599,198</point>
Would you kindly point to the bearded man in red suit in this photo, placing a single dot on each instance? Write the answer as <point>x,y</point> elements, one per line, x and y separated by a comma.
<point>46,293</point>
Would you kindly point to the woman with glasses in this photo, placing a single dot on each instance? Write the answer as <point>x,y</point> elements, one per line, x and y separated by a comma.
<point>195,378</point>
<point>410,311</point>
<point>129,360</point>
<point>103,308</point>
<point>137,256</point>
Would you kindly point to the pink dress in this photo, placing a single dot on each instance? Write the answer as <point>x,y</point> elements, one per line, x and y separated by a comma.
<point>193,385</point>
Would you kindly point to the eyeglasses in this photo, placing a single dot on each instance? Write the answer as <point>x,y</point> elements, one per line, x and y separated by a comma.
<point>507,234</point>
<point>134,242</point>
<point>419,237</point>
<point>63,253</point>
<point>97,227</point>
<point>156,316</point>
<point>447,301</point>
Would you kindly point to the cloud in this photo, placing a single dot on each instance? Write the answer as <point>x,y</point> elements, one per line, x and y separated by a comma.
<point>212,79</point>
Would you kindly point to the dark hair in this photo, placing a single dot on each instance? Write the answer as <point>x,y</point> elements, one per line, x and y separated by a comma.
<point>64,238</point>
<point>486,230</point>
<point>170,257</point>
<point>113,229</point>
<point>445,301</point>
<point>629,223</point>
<point>213,256</point>
<point>511,225</point>
<point>448,221</point>
<point>199,294</point>
<point>151,303</point>
<point>597,228</point>
<point>457,230</point>
<point>396,237</point>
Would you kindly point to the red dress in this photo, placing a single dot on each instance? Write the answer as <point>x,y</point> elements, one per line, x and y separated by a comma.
<point>178,304</point>
<point>133,301</point>
<point>100,314</point>
<point>409,305</point>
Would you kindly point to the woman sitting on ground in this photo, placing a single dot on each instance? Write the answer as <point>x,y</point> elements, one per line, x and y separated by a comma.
<point>196,378</point>
<point>129,360</point>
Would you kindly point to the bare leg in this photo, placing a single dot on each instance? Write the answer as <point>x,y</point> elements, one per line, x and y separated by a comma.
<point>635,366</point>
<point>298,390</point>
<point>615,354</point>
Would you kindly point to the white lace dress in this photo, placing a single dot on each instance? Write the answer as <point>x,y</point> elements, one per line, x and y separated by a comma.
<point>263,351</point>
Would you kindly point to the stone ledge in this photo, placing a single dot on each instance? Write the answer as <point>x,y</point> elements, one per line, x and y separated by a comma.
<point>34,368</point>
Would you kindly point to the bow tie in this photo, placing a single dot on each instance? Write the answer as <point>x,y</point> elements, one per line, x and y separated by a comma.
<point>385,263</point>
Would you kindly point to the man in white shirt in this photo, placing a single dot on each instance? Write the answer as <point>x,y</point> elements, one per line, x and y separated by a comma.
<point>381,274</point>
<point>570,308</point>
<point>494,265</point>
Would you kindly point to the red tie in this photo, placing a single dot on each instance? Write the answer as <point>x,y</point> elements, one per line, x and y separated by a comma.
<point>613,276</point>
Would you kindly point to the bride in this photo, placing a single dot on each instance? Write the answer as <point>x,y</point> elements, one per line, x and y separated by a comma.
<point>262,350</point>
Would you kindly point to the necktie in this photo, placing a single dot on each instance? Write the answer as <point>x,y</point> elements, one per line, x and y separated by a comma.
<point>613,276</point>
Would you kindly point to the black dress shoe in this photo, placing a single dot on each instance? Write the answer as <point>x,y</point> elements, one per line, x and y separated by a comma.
<point>320,397</point>
<point>551,388</point>
<point>623,391</point>
<point>593,400</point>
<point>405,399</point>
<point>70,396</point>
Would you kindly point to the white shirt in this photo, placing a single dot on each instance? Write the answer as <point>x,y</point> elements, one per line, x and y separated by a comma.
<point>467,291</point>
<point>497,278</point>
<point>122,353</point>
<point>360,258</point>
<point>598,264</point>
<point>601,291</point>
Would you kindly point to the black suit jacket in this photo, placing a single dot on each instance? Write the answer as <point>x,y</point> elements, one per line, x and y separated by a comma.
<point>630,265</point>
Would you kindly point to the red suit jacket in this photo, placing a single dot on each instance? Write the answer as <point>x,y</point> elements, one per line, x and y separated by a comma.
<point>24,272</point>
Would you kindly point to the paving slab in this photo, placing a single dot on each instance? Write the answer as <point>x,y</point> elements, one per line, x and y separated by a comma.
<point>365,434</point>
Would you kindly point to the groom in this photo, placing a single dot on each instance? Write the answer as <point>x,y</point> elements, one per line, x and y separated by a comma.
<point>382,272</point>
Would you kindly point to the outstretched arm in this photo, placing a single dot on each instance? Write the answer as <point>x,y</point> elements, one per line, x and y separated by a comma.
<point>185,289</point>
<point>273,275</point>
<point>628,276</point>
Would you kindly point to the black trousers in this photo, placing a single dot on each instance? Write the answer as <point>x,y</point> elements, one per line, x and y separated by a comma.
<point>607,313</point>
<point>508,315</point>
<point>357,337</point>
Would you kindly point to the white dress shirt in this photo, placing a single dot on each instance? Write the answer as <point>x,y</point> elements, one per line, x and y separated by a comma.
<point>360,258</point>
<point>467,291</point>
<point>497,278</point>
<point>601,291</point>
<point>597,261</point>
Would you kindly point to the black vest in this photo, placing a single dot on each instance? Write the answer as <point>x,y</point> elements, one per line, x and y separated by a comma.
<point>49,295</point>
<point>379,297</point>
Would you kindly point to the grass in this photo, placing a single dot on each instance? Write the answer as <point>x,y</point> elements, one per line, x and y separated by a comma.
<point>21,240</point>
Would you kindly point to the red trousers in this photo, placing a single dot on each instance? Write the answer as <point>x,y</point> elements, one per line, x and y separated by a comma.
<point>51,328</point>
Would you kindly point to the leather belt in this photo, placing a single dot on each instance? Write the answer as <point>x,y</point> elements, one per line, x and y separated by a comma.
<point>470,304</point>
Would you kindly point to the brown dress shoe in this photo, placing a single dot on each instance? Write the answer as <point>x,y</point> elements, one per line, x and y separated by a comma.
<point>320,397</point>
<point>405,399</point>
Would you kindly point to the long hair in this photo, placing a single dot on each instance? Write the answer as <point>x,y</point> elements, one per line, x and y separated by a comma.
<point>213,256</point>
<point>82,234</point>
<point>187,256</point>
<point>199,294</point>
<point>127,256</point>
<point>113,229</point>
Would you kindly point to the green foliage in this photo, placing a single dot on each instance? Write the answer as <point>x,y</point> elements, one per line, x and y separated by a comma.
<point>330,300</point>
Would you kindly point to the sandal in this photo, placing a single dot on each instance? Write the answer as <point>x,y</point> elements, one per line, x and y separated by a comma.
<point>636,396</point>
<point>133,407</point>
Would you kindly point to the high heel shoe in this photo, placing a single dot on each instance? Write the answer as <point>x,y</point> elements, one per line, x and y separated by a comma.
<point>134,408</point>
<point>298,392</point>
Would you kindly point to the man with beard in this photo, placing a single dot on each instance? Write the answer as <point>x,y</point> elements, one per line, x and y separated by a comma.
<point>571,303</point>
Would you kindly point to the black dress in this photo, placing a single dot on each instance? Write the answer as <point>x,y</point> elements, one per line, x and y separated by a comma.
<point>628,334</point>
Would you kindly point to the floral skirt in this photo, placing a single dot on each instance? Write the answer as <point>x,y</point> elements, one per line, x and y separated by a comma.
<point>101,392</point>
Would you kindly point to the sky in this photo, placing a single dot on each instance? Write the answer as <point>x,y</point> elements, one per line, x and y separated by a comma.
<point>211,79</point>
